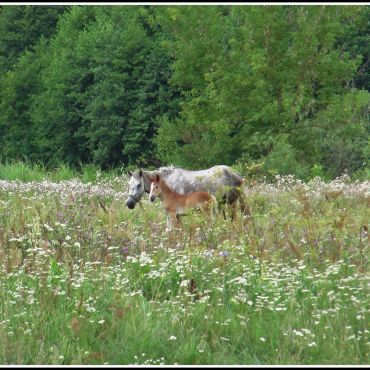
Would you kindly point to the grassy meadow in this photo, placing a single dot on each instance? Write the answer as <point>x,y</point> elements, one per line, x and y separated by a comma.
<point>85,280</point>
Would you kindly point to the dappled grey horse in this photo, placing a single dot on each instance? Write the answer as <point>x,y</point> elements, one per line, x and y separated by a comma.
<point>220,181</point>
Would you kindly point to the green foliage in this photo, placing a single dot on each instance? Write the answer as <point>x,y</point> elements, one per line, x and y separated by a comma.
<point>56,110</point>
<point>262,85</point>
<point>356,41</point>
<point>17,88</point>
<point>284,89</point>
<point>102,90</point>
<point>317,171</point>
<point>21,28</point>
<point>282,159</point>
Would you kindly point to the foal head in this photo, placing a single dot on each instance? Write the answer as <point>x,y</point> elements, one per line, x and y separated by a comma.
<point>155,188</point>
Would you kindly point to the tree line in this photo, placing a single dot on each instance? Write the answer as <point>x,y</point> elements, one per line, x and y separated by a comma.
<point>269,89</point>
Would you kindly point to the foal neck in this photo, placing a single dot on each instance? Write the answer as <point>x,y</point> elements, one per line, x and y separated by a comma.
<point>165,189</point>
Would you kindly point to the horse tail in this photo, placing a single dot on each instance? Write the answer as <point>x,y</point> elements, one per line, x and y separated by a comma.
<point>237,179</point>
<point>243,196</point>
<point>244,189</point>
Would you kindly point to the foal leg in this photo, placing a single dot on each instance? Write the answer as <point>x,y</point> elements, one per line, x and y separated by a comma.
<point>171,220</point>
<point>178,220</point>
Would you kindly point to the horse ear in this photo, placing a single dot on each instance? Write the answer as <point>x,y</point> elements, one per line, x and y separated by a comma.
<point>157,178</point>
<point>129,172</point>
<point>141,173</point>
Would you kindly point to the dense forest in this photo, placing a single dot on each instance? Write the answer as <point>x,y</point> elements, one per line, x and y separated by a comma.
<point>269,89</point>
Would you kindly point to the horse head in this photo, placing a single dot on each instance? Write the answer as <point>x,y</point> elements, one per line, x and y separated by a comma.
<point>136,186</point>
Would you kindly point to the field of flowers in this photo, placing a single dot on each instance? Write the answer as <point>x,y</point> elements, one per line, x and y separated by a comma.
<point>85,280</point>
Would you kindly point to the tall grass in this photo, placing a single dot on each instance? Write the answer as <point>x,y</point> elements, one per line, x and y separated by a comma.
<point>22,171</point>
<point>84,280</point>
<point>27,172</point>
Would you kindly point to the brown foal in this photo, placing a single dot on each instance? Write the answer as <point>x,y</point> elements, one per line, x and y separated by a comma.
<point>176,204</point>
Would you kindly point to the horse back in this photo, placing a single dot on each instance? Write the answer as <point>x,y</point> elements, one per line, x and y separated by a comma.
<point>209,180</point>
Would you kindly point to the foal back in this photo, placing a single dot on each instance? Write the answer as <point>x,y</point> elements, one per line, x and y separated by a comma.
<point>197,199</point>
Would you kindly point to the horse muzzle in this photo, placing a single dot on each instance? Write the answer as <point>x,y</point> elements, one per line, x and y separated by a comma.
<point>152,198</point>
<point>130,203</point>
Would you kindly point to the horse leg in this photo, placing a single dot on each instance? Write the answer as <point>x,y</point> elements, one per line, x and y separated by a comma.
<point>221,207</point>
<point>244,208</point>
<point>229,198</point>
<point>178,220</point>
<point>233,210</point>
<point>238,195</point>
<point>223,212</point>
<point>208,209</point>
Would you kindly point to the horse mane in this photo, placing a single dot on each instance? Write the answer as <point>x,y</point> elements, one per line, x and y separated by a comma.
<point>167,169</point>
